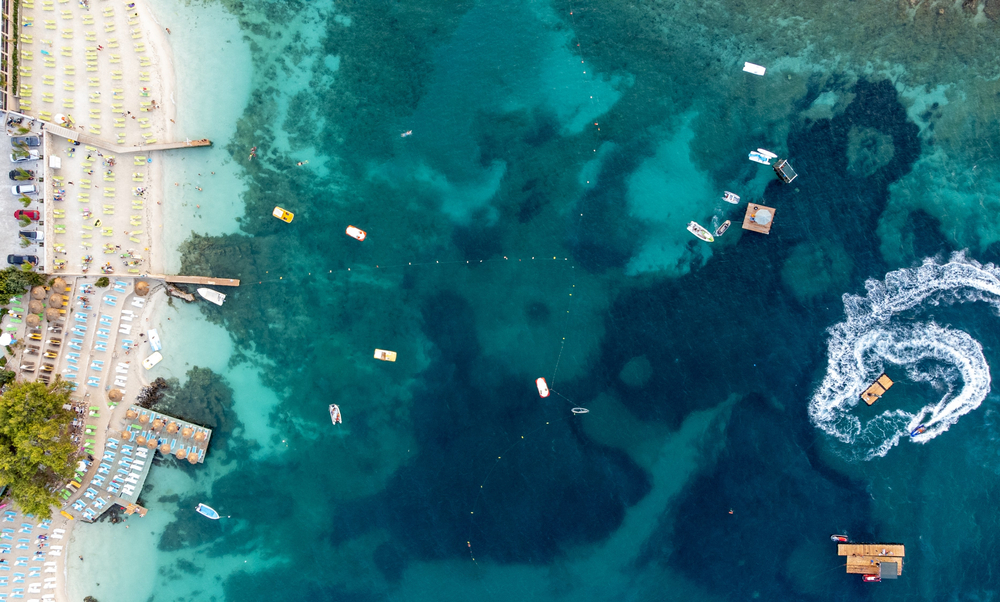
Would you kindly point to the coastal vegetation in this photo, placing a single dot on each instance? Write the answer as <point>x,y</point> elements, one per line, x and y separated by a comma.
<point>102,282</point>
<point>36,451</point>
<point>15,281</point>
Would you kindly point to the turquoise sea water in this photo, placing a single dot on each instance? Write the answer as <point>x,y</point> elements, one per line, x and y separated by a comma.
<point>533,225</point>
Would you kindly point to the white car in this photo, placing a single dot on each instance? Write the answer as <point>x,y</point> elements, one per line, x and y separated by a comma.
<point>24,189</point>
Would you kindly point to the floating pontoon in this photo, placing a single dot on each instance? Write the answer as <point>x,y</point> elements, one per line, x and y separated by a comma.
<point>785,171</point>
<point>877,389</point>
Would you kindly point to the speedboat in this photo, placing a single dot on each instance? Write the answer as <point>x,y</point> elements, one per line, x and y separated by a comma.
<point>335,413</point>
<point>871,578</point>
<point>212,295</point>
<point>722,229</point>
<point>730,197</point>
<point>919,430</point>
<point>385,356</point>
<point>357,233</point>
<point>207,511</point>
<point>700,232</point>
<point>543,387</point>
<point>285,216</point>
<point>840,538</point>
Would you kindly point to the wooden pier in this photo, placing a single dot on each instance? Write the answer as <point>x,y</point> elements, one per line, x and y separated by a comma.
<point>122,149</point>
<point>202,280</point>
<point>882,559</point>
<point>878,388</point>
<point>749,223</point>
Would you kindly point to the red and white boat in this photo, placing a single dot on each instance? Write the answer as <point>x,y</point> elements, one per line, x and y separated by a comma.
<point>840,538</point>
<point>871,578</point>
<point>543,387</point>
<point>357,233</point>
<point>335,413</point>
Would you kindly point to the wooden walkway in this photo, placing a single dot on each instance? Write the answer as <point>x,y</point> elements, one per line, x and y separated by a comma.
<point>202,280</point>
<point>865,558</point>
<point>121,148</point>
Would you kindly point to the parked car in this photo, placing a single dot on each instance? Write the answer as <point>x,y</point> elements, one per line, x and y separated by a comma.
<point>25,140</point>
<point>22,175</point>
<point>33,235</point>
<point>29,213</point>
<point>24,189</point>
<point>18,155</point>
<point>19,259</point>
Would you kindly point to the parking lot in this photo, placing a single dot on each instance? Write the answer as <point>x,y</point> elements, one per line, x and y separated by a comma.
<point>10,227</point>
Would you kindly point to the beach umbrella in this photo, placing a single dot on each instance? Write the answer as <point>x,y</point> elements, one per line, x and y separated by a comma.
<point>38,292</point>
<point>199,436</point>
<point>144,418</point>
<point>51,314</point>
<point>115,395</point>
<point>141,288</point>
<point>151,443</point>
<point>186,432</point>
<point>172,427</point>
<point>131,414</point>
<point>181,453</point>
<point>127,435</point>
<point>33,320</point>
<point>59,285</point>
<point>35,306</point>
<point>140,440</point>
<point>6,339</point>
<point>165,449</point>
<point>762,217</point>
<point>193,458</point>
<point>55,301</point>
<point>157,424</point>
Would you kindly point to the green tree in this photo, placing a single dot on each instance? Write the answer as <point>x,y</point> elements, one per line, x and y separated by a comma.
<point>15,281</point>
<point>102,282</point>
<point>36,452</point>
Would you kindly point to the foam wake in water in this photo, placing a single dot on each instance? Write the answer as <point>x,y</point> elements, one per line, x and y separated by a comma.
<point>871,337</point>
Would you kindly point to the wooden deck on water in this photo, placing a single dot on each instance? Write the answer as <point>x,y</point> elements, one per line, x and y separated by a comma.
<point>122,149</point>
<point>865,558</point>
<point>203,280</point>
<point>877,389</point>
<point>749,224</point>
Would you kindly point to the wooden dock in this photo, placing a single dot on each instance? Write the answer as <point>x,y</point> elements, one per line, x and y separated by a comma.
<point>121,149</point>
<point>878,388</point>
<point>203,280</point>
<point>869,558</point>
<point>750,224</point>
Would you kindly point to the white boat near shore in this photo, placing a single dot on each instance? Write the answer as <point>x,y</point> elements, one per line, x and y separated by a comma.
<point>211,295</point>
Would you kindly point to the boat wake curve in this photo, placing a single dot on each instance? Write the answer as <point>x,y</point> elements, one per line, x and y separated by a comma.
<point>871,337</point>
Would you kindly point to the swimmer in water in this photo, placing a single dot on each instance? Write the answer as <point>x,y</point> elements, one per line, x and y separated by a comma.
<point>253,153</point>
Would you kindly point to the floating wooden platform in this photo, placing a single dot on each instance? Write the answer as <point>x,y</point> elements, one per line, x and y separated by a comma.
<point>749,224</point>
<point>878,388</point>
<point>869,558</point>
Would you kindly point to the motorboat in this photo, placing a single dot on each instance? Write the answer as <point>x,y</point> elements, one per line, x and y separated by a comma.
<point>543,387</point>
<point>871,578</point>
<point>752,68</point>
<point>385,356</point>
<point>730,197</point>
<point>722,229</point>
<point>840,538</point>
<point>919,430</point>
<point>355,232</point>
<point>212,296</point>
<point>285,216</point>
<point>335,413</point>
<point>208,511</point>
<point>152,360</point>
<point>759,158</point>
<point>700,232</point>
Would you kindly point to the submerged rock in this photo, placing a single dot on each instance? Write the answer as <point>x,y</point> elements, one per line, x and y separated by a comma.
<point>173,291</point>
<point>868,150</point>
<point>636,372</point>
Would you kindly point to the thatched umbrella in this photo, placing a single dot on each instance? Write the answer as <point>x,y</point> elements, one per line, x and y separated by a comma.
<point>151,444</point>
<point>35,306</point>
<point>193,458</point>
<point>181,453</point>
<point>172,427</point>
<point>33,320</point>
<point>38,292</point>
<point>127,435</point>
<point>141,288</point>
<point>165,449</point>
<point>199,436</point>
<point>115,395</point>
<point>55,301</point>
<point>131,414</point>
<point>157,424</point>
<point>52,314</point>
<point>59,285</point>
<point>144,418</point>
<point>186,432</point>
<point>140,440</point>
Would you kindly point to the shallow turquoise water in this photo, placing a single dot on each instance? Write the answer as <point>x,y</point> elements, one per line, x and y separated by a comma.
<point>533,225</point>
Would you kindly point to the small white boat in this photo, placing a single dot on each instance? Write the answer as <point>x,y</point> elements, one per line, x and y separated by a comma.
<point>700,232</point>
<point>152,360</point>
<point>759,158</point>
<point>730,197</point>
<point>767,153</point>
<point>755,69</point>
<point>543,387</point>
<point>357,233</point>
<point>580,410</point>
<point>335,413</point>
<point>385,356</point>
<point>722,229</point>
<point>207,511</point>
<point>212,295</point>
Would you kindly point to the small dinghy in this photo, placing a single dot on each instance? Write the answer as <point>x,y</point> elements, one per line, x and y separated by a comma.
<point>840,538</point>
<point>207,511</point>
<point>543,387</point>
<point>871,578</point>
<point>580,410</point>
<point>356,233</point>
<point>755,69</point>
<point>700,232</point>
<point>285,216</point>
<point>212,296</point>
<point>730,197</point>
<point>335,413</point>
<point>722,229</point>
<point>919,430</point>
<point>385,356</point>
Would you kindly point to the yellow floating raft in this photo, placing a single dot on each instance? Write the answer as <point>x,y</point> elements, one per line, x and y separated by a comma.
<point>877,389</point>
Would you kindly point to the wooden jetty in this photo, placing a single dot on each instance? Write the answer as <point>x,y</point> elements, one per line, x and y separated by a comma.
<point>203,280</point>
<point>882,559</point>
<point>877,389</point>
<point>750,224</point>
<point>114,147</point>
